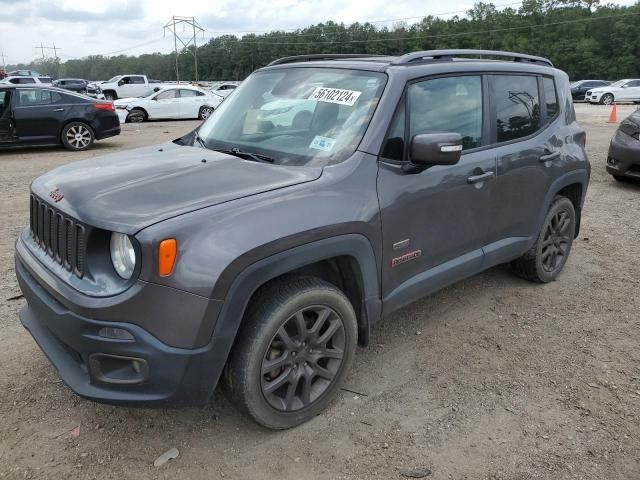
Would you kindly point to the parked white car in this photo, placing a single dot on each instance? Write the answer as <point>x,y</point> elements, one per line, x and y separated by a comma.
<point>180,101</point>
<point>26,80</point>
<point>225,89</point>
<point>290,113</point>
<point>627,90</point>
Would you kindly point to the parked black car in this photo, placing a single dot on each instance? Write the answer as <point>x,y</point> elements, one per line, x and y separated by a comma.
<point>34,115</point>
<point>623,160</point>
<point>72,84</point>
<point>78,85</point>
<point>326,192</point>
<point>579,88</point>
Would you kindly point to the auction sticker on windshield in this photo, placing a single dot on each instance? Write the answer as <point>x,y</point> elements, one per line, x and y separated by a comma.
<point>323,143</point>
<point>335,95</point>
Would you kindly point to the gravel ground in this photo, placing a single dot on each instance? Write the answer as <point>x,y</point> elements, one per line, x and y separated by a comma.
<point>491,378</point>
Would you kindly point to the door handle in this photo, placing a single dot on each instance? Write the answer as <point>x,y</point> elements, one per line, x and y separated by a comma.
<point>550,156</point>
<point>481,177</point>
<point>58,109</point>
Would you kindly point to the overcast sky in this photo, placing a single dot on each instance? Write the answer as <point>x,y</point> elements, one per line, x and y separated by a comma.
<point>86,27</point>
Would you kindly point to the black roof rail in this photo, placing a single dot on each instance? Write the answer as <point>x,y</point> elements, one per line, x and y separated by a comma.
<point>448,54</point>
<point>320,56</point>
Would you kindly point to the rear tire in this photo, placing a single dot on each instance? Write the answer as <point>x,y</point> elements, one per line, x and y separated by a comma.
<point>544,261</point>
<point>77,136</point>
<point>205,112</point>
<point>293,351</point>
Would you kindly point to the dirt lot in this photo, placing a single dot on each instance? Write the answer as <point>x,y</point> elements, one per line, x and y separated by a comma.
<point>491,378</point>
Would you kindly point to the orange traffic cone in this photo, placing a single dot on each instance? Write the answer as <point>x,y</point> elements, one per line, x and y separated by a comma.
<point>613,116</point>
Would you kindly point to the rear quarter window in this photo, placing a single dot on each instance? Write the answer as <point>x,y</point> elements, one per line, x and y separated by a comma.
<point>550,97</point>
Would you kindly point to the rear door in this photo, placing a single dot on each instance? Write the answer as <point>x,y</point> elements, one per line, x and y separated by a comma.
<point>435,221</point>
<point>39,114</point>
<point>529,157</point>
<point>190,102</point>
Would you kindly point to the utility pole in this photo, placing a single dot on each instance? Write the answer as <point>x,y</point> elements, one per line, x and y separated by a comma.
<point>186,22</point>
<point>2,55</point>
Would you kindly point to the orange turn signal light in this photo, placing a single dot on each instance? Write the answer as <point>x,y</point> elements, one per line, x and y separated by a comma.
<point>167,256</point>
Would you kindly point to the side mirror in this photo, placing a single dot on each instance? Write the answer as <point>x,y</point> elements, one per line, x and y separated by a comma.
<point>428,149</point>
<point>120,83</point>
<point>624,86</point>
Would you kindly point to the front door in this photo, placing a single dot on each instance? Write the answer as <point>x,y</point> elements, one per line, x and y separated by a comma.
<point>630,91</point>
<point>5,116</point>
<point>38,114</point>
<point>165,104</point>
<point>435,221</point>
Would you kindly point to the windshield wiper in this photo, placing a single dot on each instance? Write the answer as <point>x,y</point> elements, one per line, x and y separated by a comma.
<point>198,138</point>
<point>256,157</point>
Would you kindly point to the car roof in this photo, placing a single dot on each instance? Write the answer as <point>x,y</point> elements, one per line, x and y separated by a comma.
<point>501,59</point>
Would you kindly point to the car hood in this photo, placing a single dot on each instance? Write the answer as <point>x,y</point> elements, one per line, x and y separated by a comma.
<point>126,101</point>
<point>128,191</point>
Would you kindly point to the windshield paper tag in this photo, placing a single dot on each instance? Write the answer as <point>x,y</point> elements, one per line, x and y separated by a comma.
<point>323,143</point>
<point>335,95</point>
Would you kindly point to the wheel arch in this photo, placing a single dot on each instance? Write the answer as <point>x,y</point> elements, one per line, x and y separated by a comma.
<point>301,259</point>
<point>572,185</point>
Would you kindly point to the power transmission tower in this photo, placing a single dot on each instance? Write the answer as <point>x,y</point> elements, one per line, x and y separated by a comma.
<point>55,49</point>
<point>195,28</point>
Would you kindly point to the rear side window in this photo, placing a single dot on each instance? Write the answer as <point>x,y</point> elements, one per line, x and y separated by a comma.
<point>38,97</point>
<point>517,106</point>
<point>189,93</point>
<point>136,80</point>
<point>45,79</point>
<point>452,104</point>
<point>550,97</point>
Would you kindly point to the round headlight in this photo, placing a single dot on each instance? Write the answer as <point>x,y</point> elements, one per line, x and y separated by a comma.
<point>123,256</point>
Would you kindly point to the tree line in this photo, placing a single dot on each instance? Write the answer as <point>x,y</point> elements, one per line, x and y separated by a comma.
<point>582,37</point>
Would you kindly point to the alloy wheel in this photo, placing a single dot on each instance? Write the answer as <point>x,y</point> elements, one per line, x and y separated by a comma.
<point>79,136</point>
<point>557,240</point>
<point>206,112</point>
<point>303,358</point>
<point>607,99</point>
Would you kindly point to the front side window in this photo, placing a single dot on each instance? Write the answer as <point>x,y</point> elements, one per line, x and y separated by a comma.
<point>447,105</point>
<point>517,106</point>
<point>550,97</point>
<point>297,116</point>
<point>167,95</point>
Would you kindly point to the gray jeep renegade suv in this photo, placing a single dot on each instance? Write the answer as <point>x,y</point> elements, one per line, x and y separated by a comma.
<point>326,193</point>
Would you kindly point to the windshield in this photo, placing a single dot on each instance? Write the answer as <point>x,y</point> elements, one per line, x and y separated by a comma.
<point>297,116</point>
<point>619,83</point>
<point>113,80</point>
<point>576,84</point>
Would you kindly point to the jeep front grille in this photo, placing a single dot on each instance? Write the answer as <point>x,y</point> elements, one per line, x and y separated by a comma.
<point>60,236</point>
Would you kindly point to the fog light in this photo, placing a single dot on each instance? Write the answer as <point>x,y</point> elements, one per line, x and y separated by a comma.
<point>611,161</point>
<point>115,333</point>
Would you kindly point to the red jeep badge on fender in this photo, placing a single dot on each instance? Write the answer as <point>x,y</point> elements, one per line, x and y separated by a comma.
<point>56,194</point>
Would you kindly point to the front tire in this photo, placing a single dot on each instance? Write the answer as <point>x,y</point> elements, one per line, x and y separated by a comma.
<point>544,261</point>
<point>607,99</point>
<point>77,136</point>
<point>137,115</point>
<point>110,96</point>
<point>293,351</point>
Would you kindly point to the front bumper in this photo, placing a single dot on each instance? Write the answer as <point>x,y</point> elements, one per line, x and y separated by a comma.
<point>142,371</point>
<point>623,159</point>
